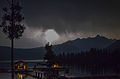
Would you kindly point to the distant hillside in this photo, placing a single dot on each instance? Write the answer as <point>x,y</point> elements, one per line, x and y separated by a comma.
<point>115,45</point>
<point>83,44</point>
<point>35,53</point>
<point>73,46</point>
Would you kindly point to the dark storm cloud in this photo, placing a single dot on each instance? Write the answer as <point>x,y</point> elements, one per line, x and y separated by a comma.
<point>73,15</point>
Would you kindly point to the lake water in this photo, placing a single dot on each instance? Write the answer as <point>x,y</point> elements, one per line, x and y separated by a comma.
<point>8,76</point>
<point>74,70</point>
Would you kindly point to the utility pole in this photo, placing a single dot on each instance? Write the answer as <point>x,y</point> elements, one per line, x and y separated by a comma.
<point>12,40</point>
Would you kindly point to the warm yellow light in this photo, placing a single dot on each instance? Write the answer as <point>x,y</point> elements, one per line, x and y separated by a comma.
<point>56,66</point>
<point>24,67</point>
<point>21,64</point>
<point>21,67</point>
<point>20,76</point>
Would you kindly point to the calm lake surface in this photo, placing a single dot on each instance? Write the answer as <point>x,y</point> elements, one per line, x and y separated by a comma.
<point>74,70</point>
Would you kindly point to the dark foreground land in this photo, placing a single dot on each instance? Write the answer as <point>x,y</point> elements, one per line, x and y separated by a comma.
<point>96,77</point>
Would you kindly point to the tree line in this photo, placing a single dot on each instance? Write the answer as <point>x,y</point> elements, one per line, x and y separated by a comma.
<point>93,56</point>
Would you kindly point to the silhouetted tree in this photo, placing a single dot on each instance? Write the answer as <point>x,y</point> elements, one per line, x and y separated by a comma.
<point>12,27</point>
<point>49,56</point>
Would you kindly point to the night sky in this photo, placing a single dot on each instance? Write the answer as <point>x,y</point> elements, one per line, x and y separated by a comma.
<point>71,19</point>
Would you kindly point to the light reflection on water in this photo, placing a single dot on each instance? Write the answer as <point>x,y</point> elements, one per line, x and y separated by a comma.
<point>8,76</point>
<point>20,75</point>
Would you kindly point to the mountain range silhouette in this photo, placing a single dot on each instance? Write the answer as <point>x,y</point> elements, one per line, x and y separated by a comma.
<point>72,46</point>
